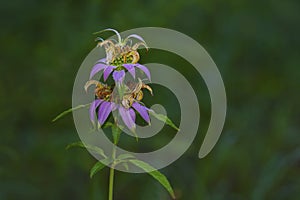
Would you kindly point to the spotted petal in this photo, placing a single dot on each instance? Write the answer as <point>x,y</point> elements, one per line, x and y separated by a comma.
<point>95,104</point>
<point>145,70</point>
<point>97,68</point>
<point>142,110</point>
<point>130,68</point>
<point>104,111</point>
<point>126,117</point>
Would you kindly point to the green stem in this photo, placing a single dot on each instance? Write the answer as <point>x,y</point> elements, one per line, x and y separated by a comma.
<point>111,183</point>
<point>112,174</point>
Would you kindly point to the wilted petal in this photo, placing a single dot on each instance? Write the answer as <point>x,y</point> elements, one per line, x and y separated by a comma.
<point>145,70</point>
<point>89,83</point>
<point>97,68</point>
<point>107,72</point>
<point>104,111</point>
<point>130,68</point>
<point>93,108</point>
<point>118,76</point>
<point>136,36</point>
<point>116,32</point>
<point>132,114</point>
<point>126,117</point>
<point>142,110</point>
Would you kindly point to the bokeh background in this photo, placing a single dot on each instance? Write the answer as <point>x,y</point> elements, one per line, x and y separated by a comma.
<point>254,43</point>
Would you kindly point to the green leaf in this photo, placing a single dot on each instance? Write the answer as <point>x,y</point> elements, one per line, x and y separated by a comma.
<point>116,132</point>
<point>87,146</point>
<point>99,166</point>
<point>123,160</point>
<point>162,179</point>
<point>125,156</point>
<point>125,165</point>
<point>68,111</point>
<point>164,118</point>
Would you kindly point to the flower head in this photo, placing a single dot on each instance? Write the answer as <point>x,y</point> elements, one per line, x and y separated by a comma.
<point>123,50</point>
<point>121,56</point>
<point>124,97</point>
<point>108,100</point>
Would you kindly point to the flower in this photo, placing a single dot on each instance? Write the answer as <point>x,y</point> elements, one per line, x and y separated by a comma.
<point>128,115</point>
<point>122,50</point>
<point>106,102</point>
<point>121,55</point>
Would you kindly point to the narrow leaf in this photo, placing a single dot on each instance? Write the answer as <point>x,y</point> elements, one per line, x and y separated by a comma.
<point>164,118</point>
<point>68,111</point>
<point>162,179</point>
<point>125,156</point>
<point>87,146</point>
<point>99,166</point>
<point>125,165</point>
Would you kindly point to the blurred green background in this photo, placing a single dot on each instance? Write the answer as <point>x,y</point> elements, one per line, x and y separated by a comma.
<point>255,44</point>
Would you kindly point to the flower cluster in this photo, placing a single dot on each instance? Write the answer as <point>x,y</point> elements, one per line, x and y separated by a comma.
<point>123,96</point>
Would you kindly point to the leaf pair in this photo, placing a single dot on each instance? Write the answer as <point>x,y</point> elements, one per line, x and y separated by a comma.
<point>124,159</point>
